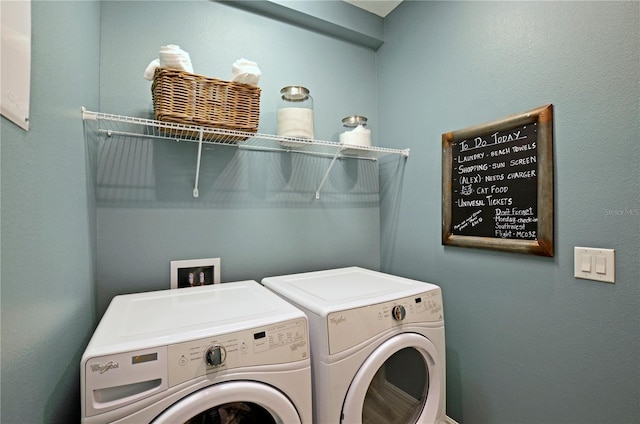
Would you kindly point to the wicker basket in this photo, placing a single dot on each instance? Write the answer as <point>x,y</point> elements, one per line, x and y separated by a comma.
<point>192,99</point>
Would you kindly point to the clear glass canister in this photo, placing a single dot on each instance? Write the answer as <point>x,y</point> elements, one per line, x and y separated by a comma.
<point>354,131</point>
<point>295,112</point>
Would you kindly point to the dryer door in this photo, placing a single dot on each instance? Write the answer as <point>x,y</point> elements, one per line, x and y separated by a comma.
<point>402,381</point>
<point>232,402</point>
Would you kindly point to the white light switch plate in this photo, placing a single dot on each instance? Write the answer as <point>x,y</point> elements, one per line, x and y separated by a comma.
<point>594,264</point>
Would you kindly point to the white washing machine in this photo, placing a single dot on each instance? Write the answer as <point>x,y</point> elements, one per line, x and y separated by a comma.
<point>377,345</point>
<point>225,353</point>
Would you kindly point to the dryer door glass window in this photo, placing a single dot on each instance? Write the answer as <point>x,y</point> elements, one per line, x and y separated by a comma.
<point>234,413</point>
<point>398,390</point>
<point>234,402</point>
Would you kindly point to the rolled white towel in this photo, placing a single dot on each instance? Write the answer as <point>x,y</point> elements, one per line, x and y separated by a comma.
<point>151,69</point>
<point>245,72</point>
<point>170,56</point>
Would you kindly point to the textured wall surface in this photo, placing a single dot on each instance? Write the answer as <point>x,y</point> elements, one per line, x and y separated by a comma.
<point>48,222</point>
<point>256,210</point>
<point>526,341</point>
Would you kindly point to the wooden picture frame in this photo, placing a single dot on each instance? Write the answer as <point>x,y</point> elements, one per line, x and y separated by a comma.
<point>497,184</point>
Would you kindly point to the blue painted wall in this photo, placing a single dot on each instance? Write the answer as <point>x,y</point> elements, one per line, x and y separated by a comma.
<point>526,341</point>
<point>256,210</point>
<point>48,222</point>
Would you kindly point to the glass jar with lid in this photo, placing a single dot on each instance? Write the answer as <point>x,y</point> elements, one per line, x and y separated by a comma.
<point>354,131</point>
<point>295,112</point>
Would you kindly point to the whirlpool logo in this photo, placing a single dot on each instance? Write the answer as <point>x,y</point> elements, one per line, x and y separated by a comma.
<point>102,368</point>
<point>298,344</point>
<point>337,320</point>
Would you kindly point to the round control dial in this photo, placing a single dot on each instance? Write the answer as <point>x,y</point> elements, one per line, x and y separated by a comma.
<point>398,312</point>
<point>215,355</point>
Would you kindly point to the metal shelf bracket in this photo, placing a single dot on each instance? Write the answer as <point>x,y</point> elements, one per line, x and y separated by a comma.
<point>326,174</point>
<point>196,193</point>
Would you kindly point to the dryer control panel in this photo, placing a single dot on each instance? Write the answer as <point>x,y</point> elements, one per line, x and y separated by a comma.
<point>278,343</point>
<point>351,327</point>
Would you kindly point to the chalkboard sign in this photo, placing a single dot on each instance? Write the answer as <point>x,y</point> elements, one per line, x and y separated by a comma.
<point>497,184</point>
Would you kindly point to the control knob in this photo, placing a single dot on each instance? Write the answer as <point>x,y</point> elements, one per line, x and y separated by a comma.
<point>398,312</point>
<point>215,355</point>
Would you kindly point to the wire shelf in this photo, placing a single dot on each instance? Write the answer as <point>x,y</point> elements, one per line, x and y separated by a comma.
<point>113,125</point>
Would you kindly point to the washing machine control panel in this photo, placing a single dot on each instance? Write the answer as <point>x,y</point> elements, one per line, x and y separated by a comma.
<point>351,327</point>
<point>272,344</point>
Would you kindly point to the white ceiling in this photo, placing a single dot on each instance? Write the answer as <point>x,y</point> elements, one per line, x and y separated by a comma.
<point>379,7</point>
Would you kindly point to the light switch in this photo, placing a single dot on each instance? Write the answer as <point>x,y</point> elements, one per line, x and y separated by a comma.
<point>586,263</point>
<point>594,264</point>
<point>601,264</point>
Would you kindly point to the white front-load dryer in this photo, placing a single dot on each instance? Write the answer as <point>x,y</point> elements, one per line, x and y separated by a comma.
<point>377,345</point>
<point>224,353</point>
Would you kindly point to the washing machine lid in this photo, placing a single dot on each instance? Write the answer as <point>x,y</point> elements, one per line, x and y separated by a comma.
<point>141,320</point>
<point>333,290</point>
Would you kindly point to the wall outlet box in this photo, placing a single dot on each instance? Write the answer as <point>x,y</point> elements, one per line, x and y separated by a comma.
<point>594,264</point>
